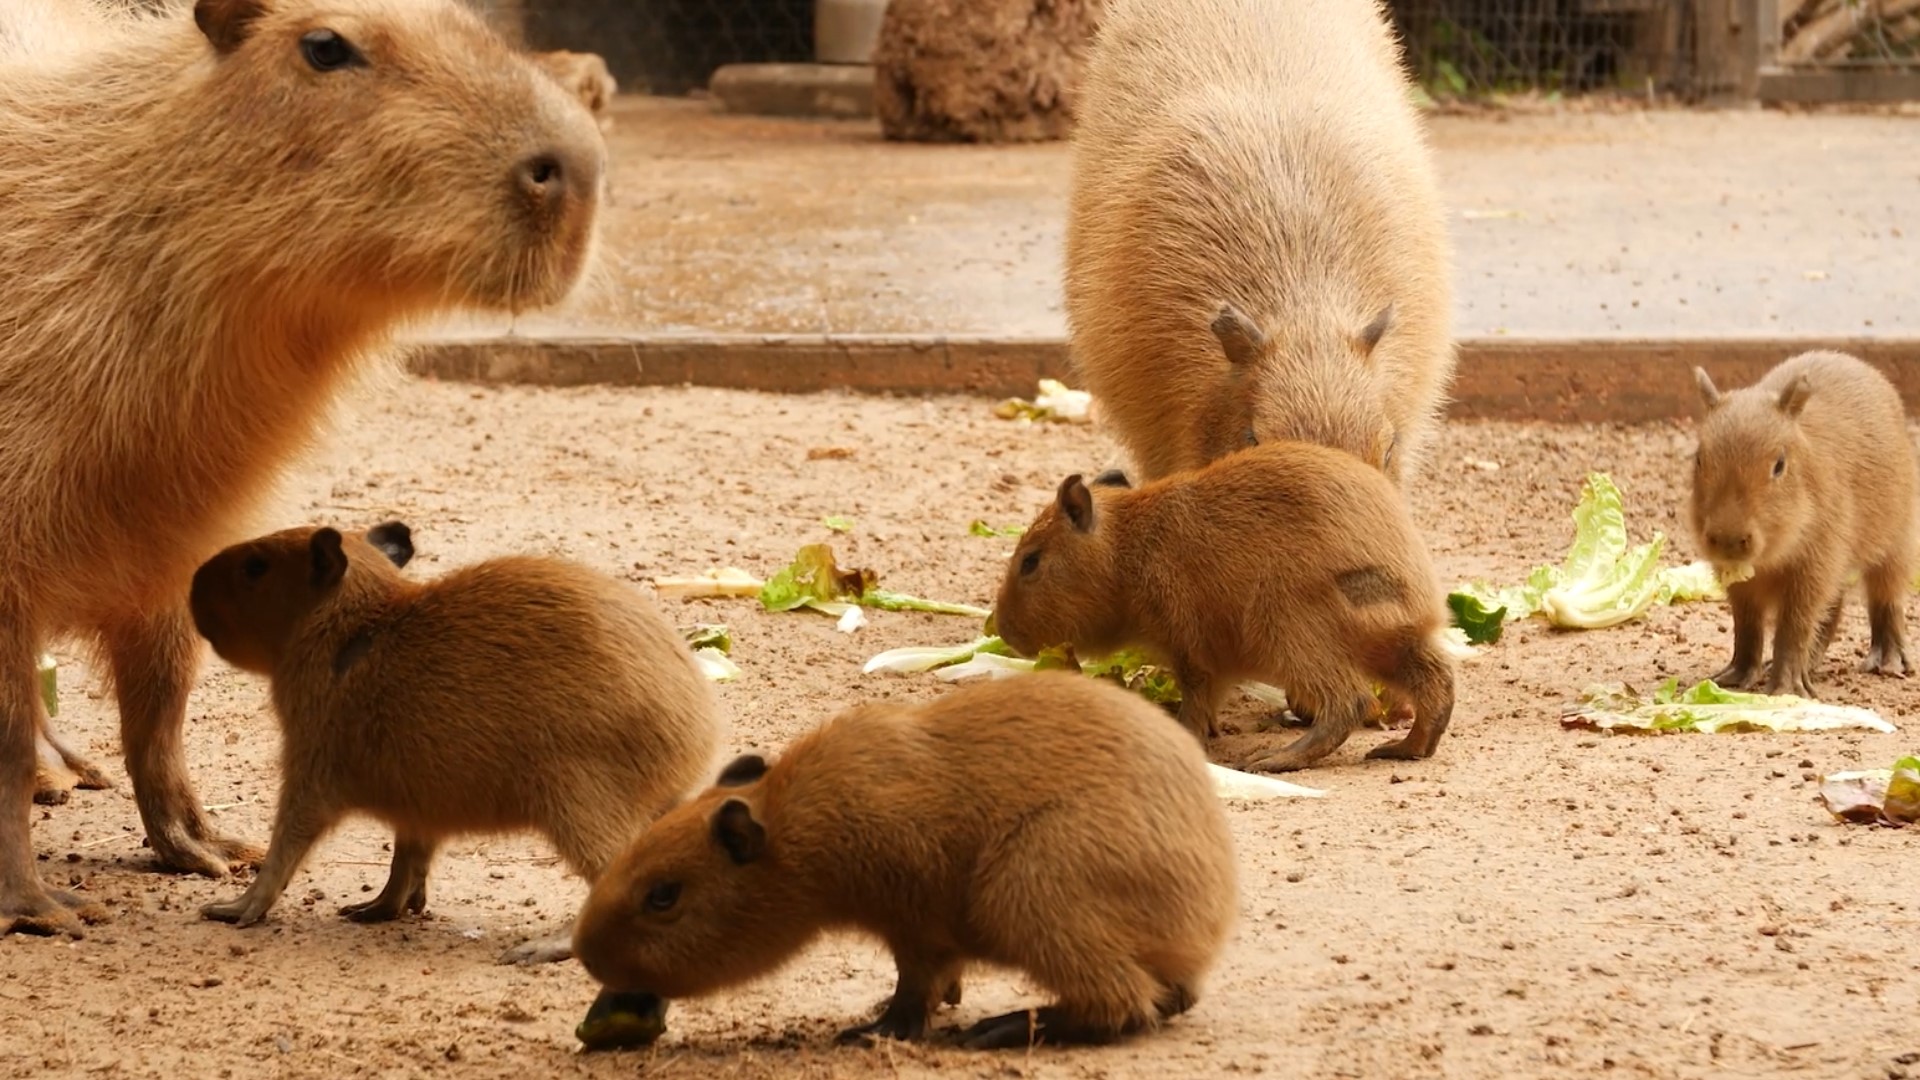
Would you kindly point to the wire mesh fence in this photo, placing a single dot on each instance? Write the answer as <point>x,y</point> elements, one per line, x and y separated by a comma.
<point>1850,33</point>
<point>1468,48</point>
<point>665,46</point>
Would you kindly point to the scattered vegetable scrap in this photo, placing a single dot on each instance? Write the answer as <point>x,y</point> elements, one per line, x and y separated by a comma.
<point>716,583</point>
<point>1602,583</point>
<point>813,580</point>
<point>838,523</point>
<point>981,528</point>
<point>1707,708</point>
<point>1875,796</point>
<point>712,643</point>
<point>50,684</point>
<point>622,1021</point>
<point>1234,784</point>
<point>1054,402</point>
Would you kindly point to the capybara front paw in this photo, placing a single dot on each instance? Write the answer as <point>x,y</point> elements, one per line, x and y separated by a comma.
<point>208,854</point>
<point>1785,681</point>
<point>1399,750</point>
<point>377,910</point>
<point>48,912</point>
<point>1884,660</point>
<point>904,1025</point>
<point>50,789</point>
<point>1738,677</point>
<point>1008,1031</point>
<point>242,910</point>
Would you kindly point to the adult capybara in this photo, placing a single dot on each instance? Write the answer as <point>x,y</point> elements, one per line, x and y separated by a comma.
<point>1288,563</point>
<point>1800,481</point>
<point>1052,824</point>
<point>211,219</point>
<point>511,694</point>
<point>1255,171</point>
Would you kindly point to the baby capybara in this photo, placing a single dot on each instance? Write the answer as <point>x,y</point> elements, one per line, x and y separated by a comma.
<point>1051,824</point>
<point>516,693</point>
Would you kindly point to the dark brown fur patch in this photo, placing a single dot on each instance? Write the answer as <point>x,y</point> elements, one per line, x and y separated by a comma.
<point>351,653</point>
<point>1369,586</point>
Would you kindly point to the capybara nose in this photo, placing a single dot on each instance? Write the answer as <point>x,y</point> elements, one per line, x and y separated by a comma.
<point>550,177</point>
<point>1735,545</point>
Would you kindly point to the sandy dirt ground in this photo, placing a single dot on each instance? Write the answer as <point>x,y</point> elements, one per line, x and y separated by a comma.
<point>1532,902</point>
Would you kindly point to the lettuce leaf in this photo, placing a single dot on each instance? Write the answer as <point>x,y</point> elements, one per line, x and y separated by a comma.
<point>981,528</point>
<point>1471,616</point>
<point>814,580</point>
<point>1875,796</point>
<point>1706,707</point>
<point>1054,402</point>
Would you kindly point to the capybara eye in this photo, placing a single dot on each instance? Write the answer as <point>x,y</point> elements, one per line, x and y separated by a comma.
<point>328,51</point>
<point>255,568</point>
<point>1249,438</point>
<point>1779,464</point>
<point>1031,563</point>
<point>663,896</point>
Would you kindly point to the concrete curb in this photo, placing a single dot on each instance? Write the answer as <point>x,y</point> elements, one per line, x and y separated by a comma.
<point>1558,380</point>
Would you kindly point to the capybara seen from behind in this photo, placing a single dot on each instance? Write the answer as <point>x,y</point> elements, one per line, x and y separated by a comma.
<point>510,694</point>
<point>1254,172</point>
<point>1051,824</point>
<point>1288,563</point>
<point>211,219</point>
<point>1800,481</point>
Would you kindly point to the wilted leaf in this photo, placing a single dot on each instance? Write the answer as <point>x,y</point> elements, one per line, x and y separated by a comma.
<point>1705,707</point>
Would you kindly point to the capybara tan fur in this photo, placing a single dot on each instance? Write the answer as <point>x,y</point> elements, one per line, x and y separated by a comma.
<point>585,76</point>
<point>213,217</point>
<point>517,693</point>
<point>1801,481</point>
<point>1051,824</point>
<point>1288,563</point>
<point>1256,172</point>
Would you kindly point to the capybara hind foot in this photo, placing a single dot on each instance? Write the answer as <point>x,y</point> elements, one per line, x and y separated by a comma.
<point>903,1019</point>
<point>1033,1027</point>
<point>1740,676</point>
<point>52,788</point>
<point>389,905</point>
<point>194,848</point>
<point>43,912</point>
<point>86,775</point>
<point>1331,727</point>
<point>546,950</point>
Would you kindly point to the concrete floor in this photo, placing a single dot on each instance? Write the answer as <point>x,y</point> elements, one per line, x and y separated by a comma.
<point>1659,224</point>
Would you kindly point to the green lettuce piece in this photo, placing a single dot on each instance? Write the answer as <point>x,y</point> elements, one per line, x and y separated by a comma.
<point>981,528</point>
<point>813,580</point>
<point>1471,615</point>
<point>1903,791</point>
<point>716,665</point>
<point>1875,796</point>
<point>1708,708</point>
<point>709,636</point>
<point>838,523</point>
<point>917,658</point>
<point>50,684</point>
<point>990,656</point>
<point>1602,582</point>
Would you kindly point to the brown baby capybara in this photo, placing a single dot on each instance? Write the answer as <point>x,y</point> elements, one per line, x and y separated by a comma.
<point>212,219</point>
<point>585,76</point>
<point>1288,563</point>
<point>1800,481</point>
<point>1051,824</point>
<point>1256,171</point>
<point>517,693</point>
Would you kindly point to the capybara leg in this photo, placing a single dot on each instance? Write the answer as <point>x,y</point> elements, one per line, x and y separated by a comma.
<point>951,996</point>
<point>1801,608</point>
<point>153,666</point>
<point>406,889</point>
<point>1886,587</point>
<point>1823,638</point>
<point>1198,700</point>
<point>88,776</point>
<point>923,982</point>
<point>298,824</point>
<point>1749,635</point>
<point>26,905</point>
<point>53,782</point>
<point>1332,724</point>
<point>1176,999</point>
<point>1428,680</point>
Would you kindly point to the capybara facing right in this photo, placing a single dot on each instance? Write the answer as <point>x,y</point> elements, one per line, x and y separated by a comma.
<point>1052,824</point>
<point>1800,481</point>
<point>513,693</point>
<point>1289,563</point>
<point>1254,171</point>
<point>209,220</point>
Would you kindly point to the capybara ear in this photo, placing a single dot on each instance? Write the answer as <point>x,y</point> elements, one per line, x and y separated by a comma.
<point>1709,393</point>
<point>394,539</point>
<point>1794,397</point>
<point>1112,478</point>
<point>1076,502</point>
<point>1241,340</point>
<point>226,23</point>
<point>1371,334</point>
<point>735,830</point>
<point>329,562</point>
<point>743,770</point>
